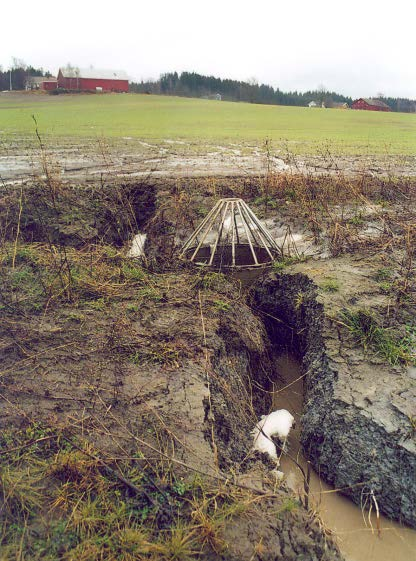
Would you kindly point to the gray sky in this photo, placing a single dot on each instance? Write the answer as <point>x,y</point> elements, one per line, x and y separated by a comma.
<point>358,48</point>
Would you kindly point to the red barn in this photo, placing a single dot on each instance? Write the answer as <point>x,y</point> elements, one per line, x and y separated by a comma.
<point>93,79</point>
<point>370,105</point>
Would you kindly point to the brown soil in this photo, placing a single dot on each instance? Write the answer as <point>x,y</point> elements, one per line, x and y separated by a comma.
<point>172,363</point>
<point>74,368</point>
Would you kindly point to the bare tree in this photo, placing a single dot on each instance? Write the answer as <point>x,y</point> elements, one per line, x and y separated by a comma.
<point>18,63</point>
<point>72,72</point>
<point>321,93</point>
<point>17,74</point>
<point>253,86</point>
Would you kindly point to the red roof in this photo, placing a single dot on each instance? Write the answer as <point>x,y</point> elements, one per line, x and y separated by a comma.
<point>373,102</point>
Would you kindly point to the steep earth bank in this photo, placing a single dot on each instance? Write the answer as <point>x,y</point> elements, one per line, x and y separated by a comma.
<point>357,422</point>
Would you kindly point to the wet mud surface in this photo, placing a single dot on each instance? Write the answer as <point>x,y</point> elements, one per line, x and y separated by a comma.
<point>361,536</point>
<point>93,159</point>
<point>75,369</point>
<point>357,428</point>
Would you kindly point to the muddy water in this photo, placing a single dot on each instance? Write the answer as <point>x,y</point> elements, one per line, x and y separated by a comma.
<point>355,536</point>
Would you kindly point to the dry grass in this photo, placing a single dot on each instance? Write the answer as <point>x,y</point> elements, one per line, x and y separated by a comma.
<point>34,277</point>
<point>62,500</point>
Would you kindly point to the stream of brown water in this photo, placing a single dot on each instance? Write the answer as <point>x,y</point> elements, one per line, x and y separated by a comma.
<point>357,540</point>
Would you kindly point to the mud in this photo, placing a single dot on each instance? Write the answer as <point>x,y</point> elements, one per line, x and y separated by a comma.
<point>361,535</point>
<point>91,159</point>
<point>74,215</point>
<point>181,361</point>
<point>194,391</point>
<point>357,428</point>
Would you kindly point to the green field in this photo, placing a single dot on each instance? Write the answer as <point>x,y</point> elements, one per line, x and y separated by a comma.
<point>198,121</point>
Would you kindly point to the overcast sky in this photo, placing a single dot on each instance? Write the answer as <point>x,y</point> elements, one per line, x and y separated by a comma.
<point>358,48</point>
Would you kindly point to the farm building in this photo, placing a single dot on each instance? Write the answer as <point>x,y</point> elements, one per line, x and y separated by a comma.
<point>217,96</point>
<point>93,79</point>
<point>370,105</point>
<point>40,83</point>
<point>340,105</point>
<point>34,82</point>
<point>49,84</point>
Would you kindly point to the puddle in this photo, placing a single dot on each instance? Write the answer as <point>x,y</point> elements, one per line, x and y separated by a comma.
<point>356,539</point>
<point>171,141</point>
<point>291,243</point>
<point>146,144</point>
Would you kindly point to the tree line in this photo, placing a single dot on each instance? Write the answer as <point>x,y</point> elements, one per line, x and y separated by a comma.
<point>400,104</point>
<point>191,84</point>
<point>18,75</point>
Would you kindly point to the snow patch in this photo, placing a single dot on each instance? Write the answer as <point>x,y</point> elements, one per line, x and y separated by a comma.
<point>137,247</point>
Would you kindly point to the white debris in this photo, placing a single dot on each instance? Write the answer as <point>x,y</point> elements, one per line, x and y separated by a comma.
<point>264,444</point>
<point>278,423</point>
<point>227,225</point>
<point>279,475</point>
<point>137,247</point>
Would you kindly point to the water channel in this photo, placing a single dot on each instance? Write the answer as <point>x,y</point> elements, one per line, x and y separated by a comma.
<point>358,538</point>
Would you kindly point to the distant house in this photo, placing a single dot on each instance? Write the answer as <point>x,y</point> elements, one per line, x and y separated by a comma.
<point>340,105</point>
<point>329,104</point>
<point>368,104</point>
<point>34,82</point>
<point>93,79</point>
<point>40,83</point>
<point>317,104</point>
<point>49,84</point>
<point>217,96</point>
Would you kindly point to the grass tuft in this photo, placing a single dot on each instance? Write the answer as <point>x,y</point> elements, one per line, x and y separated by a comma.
<point>330,285</point>
<point>364,327</point>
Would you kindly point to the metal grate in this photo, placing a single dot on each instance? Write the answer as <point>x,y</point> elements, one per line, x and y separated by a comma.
<point>231,237</point>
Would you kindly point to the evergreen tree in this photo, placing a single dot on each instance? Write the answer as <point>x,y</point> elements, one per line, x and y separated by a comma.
<point>191,84</point>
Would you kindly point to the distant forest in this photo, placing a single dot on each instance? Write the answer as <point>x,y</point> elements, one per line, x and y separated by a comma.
<point>191,84</point>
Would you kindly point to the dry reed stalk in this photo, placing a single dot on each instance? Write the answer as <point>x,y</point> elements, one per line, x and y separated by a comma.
<point>211,417</point>
<point>18,226</point>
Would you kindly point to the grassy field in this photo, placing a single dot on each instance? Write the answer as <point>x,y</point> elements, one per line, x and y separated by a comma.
<point>198,121</point>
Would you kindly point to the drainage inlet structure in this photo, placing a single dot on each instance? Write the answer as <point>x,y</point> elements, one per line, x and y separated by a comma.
<point>231,238</point>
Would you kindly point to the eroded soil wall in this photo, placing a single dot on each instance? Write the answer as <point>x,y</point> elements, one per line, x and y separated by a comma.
<point>355,450</point>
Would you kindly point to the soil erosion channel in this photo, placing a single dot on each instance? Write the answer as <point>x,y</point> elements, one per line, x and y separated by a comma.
<point>356,538</point>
